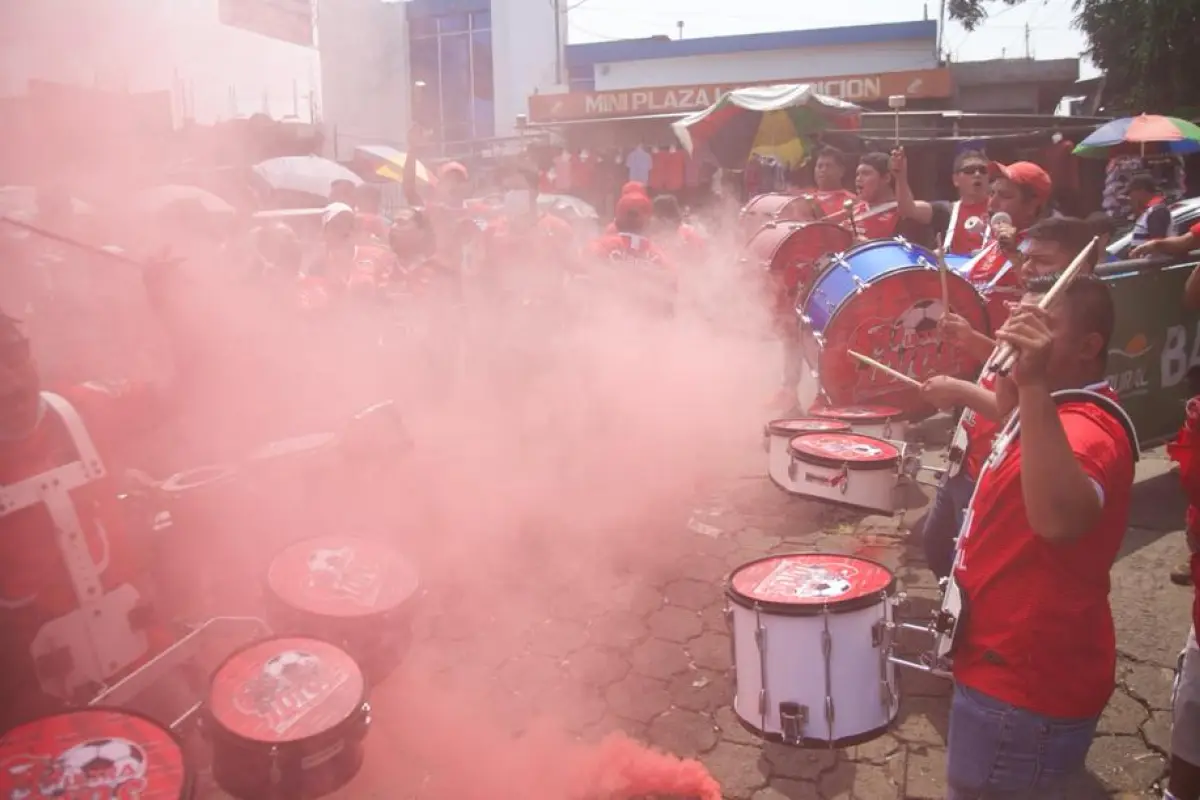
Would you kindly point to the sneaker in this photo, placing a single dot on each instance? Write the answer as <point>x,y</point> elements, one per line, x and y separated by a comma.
<point>1182,574</point>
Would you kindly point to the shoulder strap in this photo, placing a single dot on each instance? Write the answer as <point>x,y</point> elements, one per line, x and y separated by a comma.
<point>951,229</point>
<point>1109,405</point>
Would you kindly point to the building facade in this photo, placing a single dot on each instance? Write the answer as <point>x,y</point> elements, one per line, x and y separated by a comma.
<point>219,59</point>
<point>473,63</point>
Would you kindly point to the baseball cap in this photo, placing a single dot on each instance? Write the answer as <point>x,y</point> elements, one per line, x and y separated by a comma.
<point>335,210</point>
<point>633,187</point>
<point>452,168</point>
<point>1024,173</point>
<point>634,205</point>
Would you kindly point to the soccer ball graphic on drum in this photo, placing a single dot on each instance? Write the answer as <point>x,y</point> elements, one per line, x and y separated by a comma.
<point>292,666</point>
<point>819,582</point>
<point>917,323</point>
<point>102,762</point>
<point>329,563</point>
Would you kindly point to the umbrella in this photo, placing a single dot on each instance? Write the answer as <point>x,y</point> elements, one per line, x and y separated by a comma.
<point>306,175</point>
<point>388,162</point>
<point>766,119</point>
<point>1146,134</point>
<point>161,198</point>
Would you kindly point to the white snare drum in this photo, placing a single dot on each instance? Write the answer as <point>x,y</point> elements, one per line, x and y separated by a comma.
<point>811,634</point>
<point>845,468</point>
<point>882,422</point>
<point>776,435</point>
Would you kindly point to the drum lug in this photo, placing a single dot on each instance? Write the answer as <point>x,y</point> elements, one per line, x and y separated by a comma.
<point>844,479</point>
<point>732,641</point>
<point>793,469</point>
<point>879,633</point>
<point>793,718</point>
<point>276,774</point>
<point>766,444</point>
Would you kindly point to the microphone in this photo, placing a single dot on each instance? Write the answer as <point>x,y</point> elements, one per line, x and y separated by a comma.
<point>1001,218</point>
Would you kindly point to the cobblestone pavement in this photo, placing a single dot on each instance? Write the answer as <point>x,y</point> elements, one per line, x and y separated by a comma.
<point>650,655</point>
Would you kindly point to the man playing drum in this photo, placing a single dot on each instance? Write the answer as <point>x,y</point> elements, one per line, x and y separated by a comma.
<point>1051,245</point>
<point>829,173</point>
<point>1035,657</point>
<point>959,225</point>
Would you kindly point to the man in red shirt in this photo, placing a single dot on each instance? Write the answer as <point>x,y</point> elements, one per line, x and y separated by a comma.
<point>959,225</point>
<point>829,173</point>
<point>877,214</point>
<point>74,605</point>
<point>1035,660</point>
<point>650,279</point>
<point>681,241</point>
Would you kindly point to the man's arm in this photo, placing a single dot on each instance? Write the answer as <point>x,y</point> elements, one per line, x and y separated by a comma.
<point>1061,500</point>
<point>408,177</point>
<point>946,392</point>
<point>1158,224</point>
<point>1170,246</point>
<point>906,204</point>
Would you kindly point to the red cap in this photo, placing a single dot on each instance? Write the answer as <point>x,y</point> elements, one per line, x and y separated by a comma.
<point>451,168</point>
<point>1024,173</point>
<point>634,204</point>
<point>633,187</point>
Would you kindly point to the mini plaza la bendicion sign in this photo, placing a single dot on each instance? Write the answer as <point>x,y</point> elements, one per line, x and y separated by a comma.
<point>914,84</point>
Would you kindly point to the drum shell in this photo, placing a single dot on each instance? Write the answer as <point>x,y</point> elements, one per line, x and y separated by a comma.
<point>378,642</point>
<point>871,486</point>
<point>773,207</point>
<point>307,768</point>
<point>775,440</point>
<point>863,684</point>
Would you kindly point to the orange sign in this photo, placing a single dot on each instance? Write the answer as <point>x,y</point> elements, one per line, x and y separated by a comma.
<point>915,84</point>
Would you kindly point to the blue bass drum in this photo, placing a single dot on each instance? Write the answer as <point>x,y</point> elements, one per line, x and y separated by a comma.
<point>882,299</point>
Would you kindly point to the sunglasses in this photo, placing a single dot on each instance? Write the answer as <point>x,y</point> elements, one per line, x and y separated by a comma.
<point>978,169</point>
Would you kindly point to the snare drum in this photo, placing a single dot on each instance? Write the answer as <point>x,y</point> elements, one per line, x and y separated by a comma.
<point>775,207</point>
<point>286,718</point>
<point>811,639</point>
<point>94,753</point>
<point>846,468</point>
<point>881,422</point>
<point>883,300</point>
<point>776,435</point>
<point>357,593</point>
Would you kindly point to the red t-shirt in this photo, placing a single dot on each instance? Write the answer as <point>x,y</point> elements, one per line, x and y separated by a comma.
<point>988,267</point>
<point>583,173</point>
<point>833,202</point>
<point>969,227</point>
<point>1039,628</point>
<point>980,431</point>
<point>35,586</point>
<point>550,239</point>
<point>658,170</point>
<point>880,224</point>
<point>674,170</point>
<point>1185,451</point>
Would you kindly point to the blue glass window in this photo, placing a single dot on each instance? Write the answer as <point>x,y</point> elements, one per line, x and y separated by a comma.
<point>454,23</point>
<point>422,26</point>
<point>424,63</point>
<point>456,88</point>
<point>483,106</point>
<point>481,20</point>
<point>455,65</point>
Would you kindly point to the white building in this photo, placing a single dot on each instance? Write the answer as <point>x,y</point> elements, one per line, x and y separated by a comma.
<point>263,61</point>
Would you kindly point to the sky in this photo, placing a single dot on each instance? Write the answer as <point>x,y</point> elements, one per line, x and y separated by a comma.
<point>1050,32</point>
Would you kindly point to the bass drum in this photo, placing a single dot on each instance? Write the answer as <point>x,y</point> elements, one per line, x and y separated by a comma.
<point>775,207</point>
<point>792,254</point>
<point>883,299</point>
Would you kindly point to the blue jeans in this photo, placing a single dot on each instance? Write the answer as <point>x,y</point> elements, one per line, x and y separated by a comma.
<point>943,521</point>
<point>1001,752</point>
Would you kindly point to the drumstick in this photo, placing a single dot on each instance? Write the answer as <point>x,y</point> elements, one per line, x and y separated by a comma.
<point>940,254</point>
<point>1003,363</point>
<point>900,376</point>
<point>848,208</point>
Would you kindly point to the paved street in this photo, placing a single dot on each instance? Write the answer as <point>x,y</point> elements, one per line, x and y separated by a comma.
<point>648,654</point>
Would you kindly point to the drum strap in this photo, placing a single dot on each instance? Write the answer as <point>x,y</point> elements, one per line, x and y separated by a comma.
<point>948,236</point>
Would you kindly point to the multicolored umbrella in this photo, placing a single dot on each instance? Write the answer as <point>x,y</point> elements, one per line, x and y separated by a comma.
<point>772,120</point>
<point>1148,134</point>
<point>388,162</point>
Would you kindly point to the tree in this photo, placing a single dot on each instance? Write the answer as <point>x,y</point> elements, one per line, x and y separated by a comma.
<point>1144,47</point>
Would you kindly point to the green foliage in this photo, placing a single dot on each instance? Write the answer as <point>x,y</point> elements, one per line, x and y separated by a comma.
<point>1146,48</point>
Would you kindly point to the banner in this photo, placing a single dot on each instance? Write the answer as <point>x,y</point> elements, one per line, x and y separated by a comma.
<point>1154,344</point>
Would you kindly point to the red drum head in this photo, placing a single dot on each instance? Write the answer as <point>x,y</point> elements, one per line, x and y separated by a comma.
<point>864,415</point>
<point>286,690</point>
<point>893,320</point>
<point>98,752</point>
<point>793,254</point>
<point>774,207</point>
<point>851,449</point>
<point>783,427</point>
<point>811,582</point>
<point>341,576</point>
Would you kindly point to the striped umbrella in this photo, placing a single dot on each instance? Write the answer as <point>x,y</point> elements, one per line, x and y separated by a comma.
<point>771,120</point>
<point>1146,134</point>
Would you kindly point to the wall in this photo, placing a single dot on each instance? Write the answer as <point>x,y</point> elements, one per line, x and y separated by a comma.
<point>365,79</point>
<point>524,55</point>
<point>213,71</point>
<point>728,68</point>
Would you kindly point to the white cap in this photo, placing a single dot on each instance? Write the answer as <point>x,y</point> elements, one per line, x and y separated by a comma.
<point>335,210</point>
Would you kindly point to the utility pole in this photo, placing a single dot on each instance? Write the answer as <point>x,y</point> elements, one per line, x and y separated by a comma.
<point>940,30</point>
<point>558,42</point>
<point>680,26</point>
<point>1027,40</point>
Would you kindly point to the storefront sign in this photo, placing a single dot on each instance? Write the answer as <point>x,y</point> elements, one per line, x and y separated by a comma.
<point>928,83</point>
<point>287,20</point>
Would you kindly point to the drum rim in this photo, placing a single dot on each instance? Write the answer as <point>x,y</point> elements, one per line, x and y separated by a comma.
<point>842,606</point>
<point>800,226</point>
<point>837,312</point>
<point>328,438</point>
<point>182,482</point>
<point>353,618</point>
<point>865,419</point>
<point>190,773</point>
<point>219,730</point>
<point>882,463</point>
<point>774,427</point>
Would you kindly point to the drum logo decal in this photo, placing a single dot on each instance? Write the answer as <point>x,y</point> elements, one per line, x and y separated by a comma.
<point>289,685</point>
<point>84,770</point>
<point>793,581</point>
<point>342,573</point>
<point>837,446</point>
<point>908,342</point>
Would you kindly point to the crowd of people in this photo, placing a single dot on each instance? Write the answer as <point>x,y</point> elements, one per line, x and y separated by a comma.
<point>1027,524</point>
